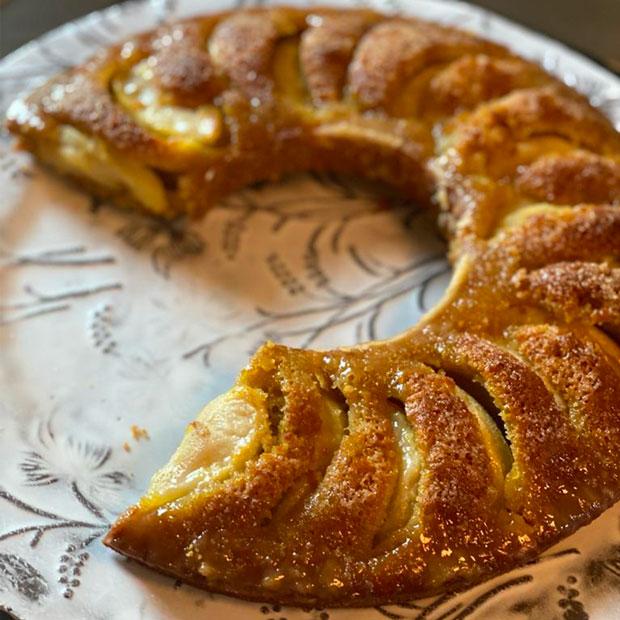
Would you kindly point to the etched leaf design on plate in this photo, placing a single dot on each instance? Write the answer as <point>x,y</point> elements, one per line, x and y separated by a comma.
<point>22,576</point>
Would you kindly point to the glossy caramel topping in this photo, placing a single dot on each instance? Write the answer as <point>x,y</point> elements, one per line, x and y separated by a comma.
<point>398,469</point>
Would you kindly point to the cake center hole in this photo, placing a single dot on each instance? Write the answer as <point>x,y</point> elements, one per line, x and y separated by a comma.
<point>329,260</point>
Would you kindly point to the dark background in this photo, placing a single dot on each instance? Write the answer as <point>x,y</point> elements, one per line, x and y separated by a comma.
<point>590,26</point>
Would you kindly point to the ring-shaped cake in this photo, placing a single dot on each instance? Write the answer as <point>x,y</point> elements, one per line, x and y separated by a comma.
<point>391,470</point>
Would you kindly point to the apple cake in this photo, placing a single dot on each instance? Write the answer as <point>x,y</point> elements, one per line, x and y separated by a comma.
<point>398,469</point>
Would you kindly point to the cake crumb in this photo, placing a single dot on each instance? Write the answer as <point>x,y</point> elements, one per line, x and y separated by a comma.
<point>126,447</point>
<point>139,433</point>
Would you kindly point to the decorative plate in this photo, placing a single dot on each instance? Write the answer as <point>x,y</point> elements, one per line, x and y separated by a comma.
<point>115,330</point>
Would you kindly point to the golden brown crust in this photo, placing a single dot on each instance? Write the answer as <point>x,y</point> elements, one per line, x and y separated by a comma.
<point>570,179</point>
<point>575,290</point>
<point>393,470</point>
<point>326,49</point>
<point>475,78</point>
<point>583,232</point>
<point>396,50</point>
<point>183,67</point>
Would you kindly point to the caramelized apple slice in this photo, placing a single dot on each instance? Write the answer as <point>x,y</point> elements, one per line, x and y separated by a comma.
<point>139,94</point>
<point>72,152</point>
<point>228,432</point>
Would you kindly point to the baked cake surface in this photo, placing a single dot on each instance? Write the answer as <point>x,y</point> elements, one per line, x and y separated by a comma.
<point>397,469</point>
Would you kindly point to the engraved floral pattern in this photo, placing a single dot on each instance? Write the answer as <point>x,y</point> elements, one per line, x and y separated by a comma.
<point>81,465</point>
<point>84,469</point>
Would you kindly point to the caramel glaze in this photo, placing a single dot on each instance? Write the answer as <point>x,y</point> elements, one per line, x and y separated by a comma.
<point>507,394</point>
